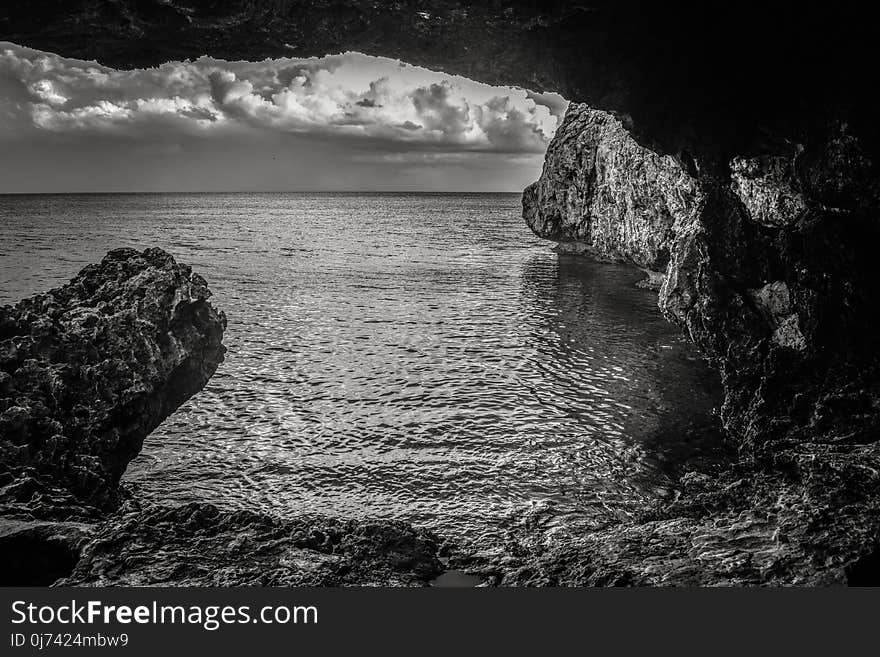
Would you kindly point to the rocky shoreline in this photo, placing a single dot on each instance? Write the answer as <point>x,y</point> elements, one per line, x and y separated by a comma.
<point>743,180</point>
<point>757,269</point>
<point>90,369</point>
<point>807,514</point>
<point>87,371</point>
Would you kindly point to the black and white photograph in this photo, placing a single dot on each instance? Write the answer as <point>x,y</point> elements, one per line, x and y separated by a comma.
<point>439,294</point>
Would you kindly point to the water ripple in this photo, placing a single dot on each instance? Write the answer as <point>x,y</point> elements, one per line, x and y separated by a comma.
<point>416,357</point>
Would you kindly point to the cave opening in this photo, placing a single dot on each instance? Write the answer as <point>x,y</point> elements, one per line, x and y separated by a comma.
<point>711,121</point>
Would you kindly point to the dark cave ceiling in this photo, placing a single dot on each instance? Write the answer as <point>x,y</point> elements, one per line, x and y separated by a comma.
<point>713,79</point>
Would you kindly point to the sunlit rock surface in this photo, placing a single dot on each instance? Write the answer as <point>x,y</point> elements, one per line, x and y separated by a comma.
<point>604,192</point>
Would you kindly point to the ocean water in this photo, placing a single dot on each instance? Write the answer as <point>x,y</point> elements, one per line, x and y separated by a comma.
<point>421,357</point>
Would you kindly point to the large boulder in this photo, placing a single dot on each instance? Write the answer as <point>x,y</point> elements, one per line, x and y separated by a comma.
<point>88,370</point>
<point>602,192</point>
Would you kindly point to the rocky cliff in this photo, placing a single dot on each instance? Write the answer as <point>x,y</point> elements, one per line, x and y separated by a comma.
<point>602,192</point>
<point>768,268</point>
<point>738,164</point>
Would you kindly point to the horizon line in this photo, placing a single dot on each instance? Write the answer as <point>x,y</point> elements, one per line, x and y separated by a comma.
<point>279,191</point>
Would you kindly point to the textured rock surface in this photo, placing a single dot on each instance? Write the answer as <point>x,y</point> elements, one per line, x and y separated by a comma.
<point>768,270</point>
<point>767,229</point>
<point>602,190</point>
<point>198,545</point>
<point>810,520</point>
<point>88,370</point>
<point>771,273</point>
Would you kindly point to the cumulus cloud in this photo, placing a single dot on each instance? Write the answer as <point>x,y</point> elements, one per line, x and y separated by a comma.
<point>350,96</point>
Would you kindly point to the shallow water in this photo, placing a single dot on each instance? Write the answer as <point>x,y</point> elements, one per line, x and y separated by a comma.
<point>421,357</point>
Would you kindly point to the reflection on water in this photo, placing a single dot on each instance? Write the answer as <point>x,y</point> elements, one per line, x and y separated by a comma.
<point>412,356</point>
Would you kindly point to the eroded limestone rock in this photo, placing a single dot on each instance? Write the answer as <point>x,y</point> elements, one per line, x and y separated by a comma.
<point>603,193</point>
<point>769,188</point>
<point>88,370</point>
<point>768,269</point>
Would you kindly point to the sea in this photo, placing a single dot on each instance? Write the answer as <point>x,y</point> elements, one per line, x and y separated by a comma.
<point>420,357</point>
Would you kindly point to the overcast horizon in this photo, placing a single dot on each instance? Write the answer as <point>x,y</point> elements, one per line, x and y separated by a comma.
<point>339,123</point>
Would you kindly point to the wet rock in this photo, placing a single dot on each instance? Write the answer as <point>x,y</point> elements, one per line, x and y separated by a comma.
<point>810,520</point>
<point>199,545</point>
<point>89,370</point>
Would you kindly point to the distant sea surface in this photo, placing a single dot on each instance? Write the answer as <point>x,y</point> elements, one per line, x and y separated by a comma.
<point>412,356</point>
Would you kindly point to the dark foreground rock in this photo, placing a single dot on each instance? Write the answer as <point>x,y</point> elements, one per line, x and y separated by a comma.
<point>37,553</point>
<point>87,371</point>
<point>199,545</point>
<point>813,521</point>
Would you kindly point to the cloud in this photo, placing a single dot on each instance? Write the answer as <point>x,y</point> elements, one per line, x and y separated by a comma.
<point>381,102</point>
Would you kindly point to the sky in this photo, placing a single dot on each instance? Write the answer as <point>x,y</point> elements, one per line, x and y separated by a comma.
<point>346,122</point>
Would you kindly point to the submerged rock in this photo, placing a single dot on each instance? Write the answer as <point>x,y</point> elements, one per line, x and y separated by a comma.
<point>199,545</point>
<point>88,370</point>
<point>810,521</point>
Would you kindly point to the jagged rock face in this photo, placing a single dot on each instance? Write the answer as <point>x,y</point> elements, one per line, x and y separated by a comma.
<point>767,269</point>
<point>88,370</point>
<point>716,80</point>
<point>764,226</point>
<point>198,545</point>
<point>771,273</point>
<point>602,191</point>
